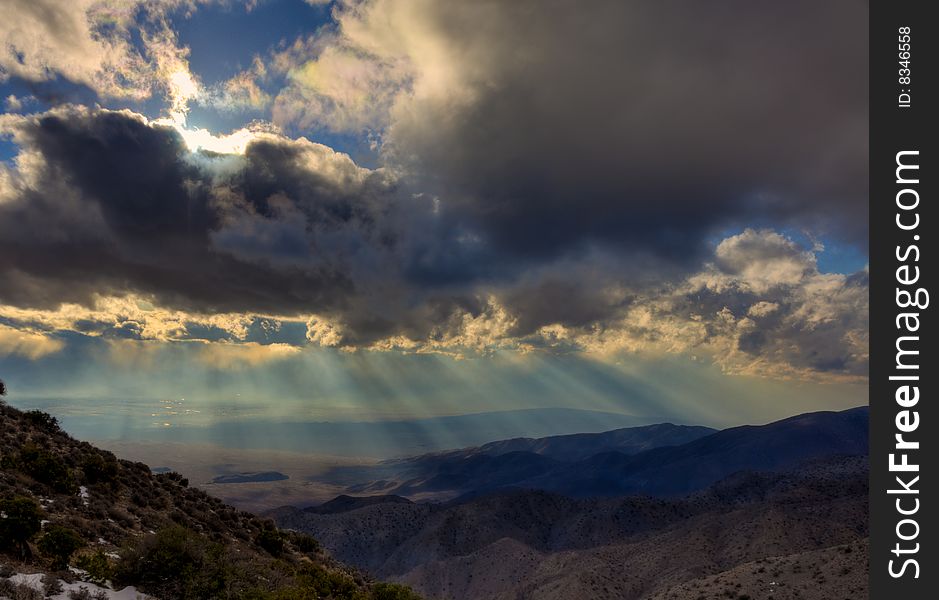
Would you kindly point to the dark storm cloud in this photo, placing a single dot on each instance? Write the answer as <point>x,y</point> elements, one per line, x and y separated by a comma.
<point>118,205</point>
<point>113,205</point>
<point>133,173</point>
<point>646,125</point>
<point>105,203</point>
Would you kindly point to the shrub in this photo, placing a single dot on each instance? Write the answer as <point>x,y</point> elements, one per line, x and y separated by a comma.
<point>393,591</point>
<point>17,591</point>
<point>82,593</point>
<point>42,420</point>
<point>271,541</point>
<point>51,585</point>
<point>23,520</point>
<point>329,584</point>
<point>47,468</point>
<point>97,469</point>
<point>59,543</point>
<point>174,477</point>
<point>9,462</point>
<point>285,593</point>
<point>97,565</point>
<point>304,543</point>
<point>175,563</point>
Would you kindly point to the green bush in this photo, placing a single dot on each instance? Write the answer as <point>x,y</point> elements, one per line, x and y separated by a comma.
<point>271,541</point>
<point>83,593</point>
<point>176,563</point>
<point>303,542</point>
<point>97,565</point>
<point>47,468</point>
<point>51,585</point>
<point>393,591</point>
<point>59,543</point>
<point>23,520</point>
<point>9,462</point>
<point>329,584</point>
<point>19,591</point>
<point>97,469</point>
<point>42,420</point>
<point>174,477</point>
<point>292,592</point>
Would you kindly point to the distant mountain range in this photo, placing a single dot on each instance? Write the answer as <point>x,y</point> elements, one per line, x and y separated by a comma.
<point>662,459</point>
<point>383,439</point>
<point>260,477</point>
<point>662,511</point>
<point>629,440</point>
<point>699,463</point>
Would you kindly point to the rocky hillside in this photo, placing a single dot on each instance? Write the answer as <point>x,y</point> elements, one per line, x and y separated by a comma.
<point>72,511</point>
<point>841,569</point>
<point>535,544</point>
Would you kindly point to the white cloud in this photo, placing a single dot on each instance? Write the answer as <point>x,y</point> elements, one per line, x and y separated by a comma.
<point>91,42</point>
<point>763,309</point>
<point>27,343</point>
<point>250,354</point>
<point>757,261</point>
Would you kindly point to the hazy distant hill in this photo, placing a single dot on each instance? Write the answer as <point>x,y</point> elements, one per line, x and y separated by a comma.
<point>692,466</point>
<point>261,477</point>
<point>629,440</point>
<point>341,504</point>
<point>657,459</point>
<point>501,463</point>
<point>384,439</point>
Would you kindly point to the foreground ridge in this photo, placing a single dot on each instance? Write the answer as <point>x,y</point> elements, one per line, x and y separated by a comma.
<point>73,516</point>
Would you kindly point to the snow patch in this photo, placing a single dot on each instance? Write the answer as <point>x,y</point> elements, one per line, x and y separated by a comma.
<point>34,580</point>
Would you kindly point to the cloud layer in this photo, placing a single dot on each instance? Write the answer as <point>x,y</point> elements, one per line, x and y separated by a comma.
<point>547,178</point>
<point>642,125</point>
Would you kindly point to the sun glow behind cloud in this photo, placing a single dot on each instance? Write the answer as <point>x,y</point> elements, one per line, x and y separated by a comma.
<point>202,139</point>
<point>184,88</point>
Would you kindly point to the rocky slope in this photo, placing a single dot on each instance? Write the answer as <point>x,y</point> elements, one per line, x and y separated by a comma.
<point>66,504</point>
<point>534,544</point>
<point>837,573</point>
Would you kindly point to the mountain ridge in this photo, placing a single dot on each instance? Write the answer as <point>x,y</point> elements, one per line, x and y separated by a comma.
<point>658,459</point>
<point>724,503</point>
<point>65,504</point>
<point>460,549</point>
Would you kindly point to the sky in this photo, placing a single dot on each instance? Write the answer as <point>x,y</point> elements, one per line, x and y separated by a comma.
<point>390,209</point>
